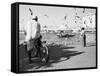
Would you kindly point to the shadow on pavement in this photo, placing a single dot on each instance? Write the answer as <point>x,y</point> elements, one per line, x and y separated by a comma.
<point>57,53</point>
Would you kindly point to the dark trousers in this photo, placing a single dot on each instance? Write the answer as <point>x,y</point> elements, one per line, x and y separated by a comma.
<point>37,44</point>
<point>84,40</point>
<point>29,55</point>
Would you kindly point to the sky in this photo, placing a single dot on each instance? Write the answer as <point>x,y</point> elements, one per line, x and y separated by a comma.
<point>52,17</point>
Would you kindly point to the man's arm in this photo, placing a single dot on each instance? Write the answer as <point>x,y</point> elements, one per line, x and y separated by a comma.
<point>38,29</point>
<point>31,11</point>
<point>27,31</point>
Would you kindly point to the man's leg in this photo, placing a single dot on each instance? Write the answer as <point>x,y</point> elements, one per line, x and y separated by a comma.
<point>37,45</point>
<point>29,50</point>
<point>84,40</point>
<point>29,57</point>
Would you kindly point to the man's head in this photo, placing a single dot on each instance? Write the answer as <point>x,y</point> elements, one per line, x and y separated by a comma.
<point>82,28</point>
<point>34,17</point>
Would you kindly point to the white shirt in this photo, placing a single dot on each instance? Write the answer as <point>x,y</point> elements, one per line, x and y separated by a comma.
<point>32,29</point>
<point>82,32</point>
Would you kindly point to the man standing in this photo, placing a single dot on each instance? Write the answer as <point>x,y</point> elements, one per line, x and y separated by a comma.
<point>33,35</point>
<point>83,36</point>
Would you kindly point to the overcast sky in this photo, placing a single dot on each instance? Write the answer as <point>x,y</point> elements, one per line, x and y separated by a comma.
<point>53,17</point>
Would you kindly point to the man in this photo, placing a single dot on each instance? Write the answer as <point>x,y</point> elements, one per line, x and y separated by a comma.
<point>82,34</point>
<point>32,39</point>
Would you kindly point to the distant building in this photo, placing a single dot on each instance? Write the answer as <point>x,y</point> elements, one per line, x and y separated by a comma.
<point>53,28</point>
